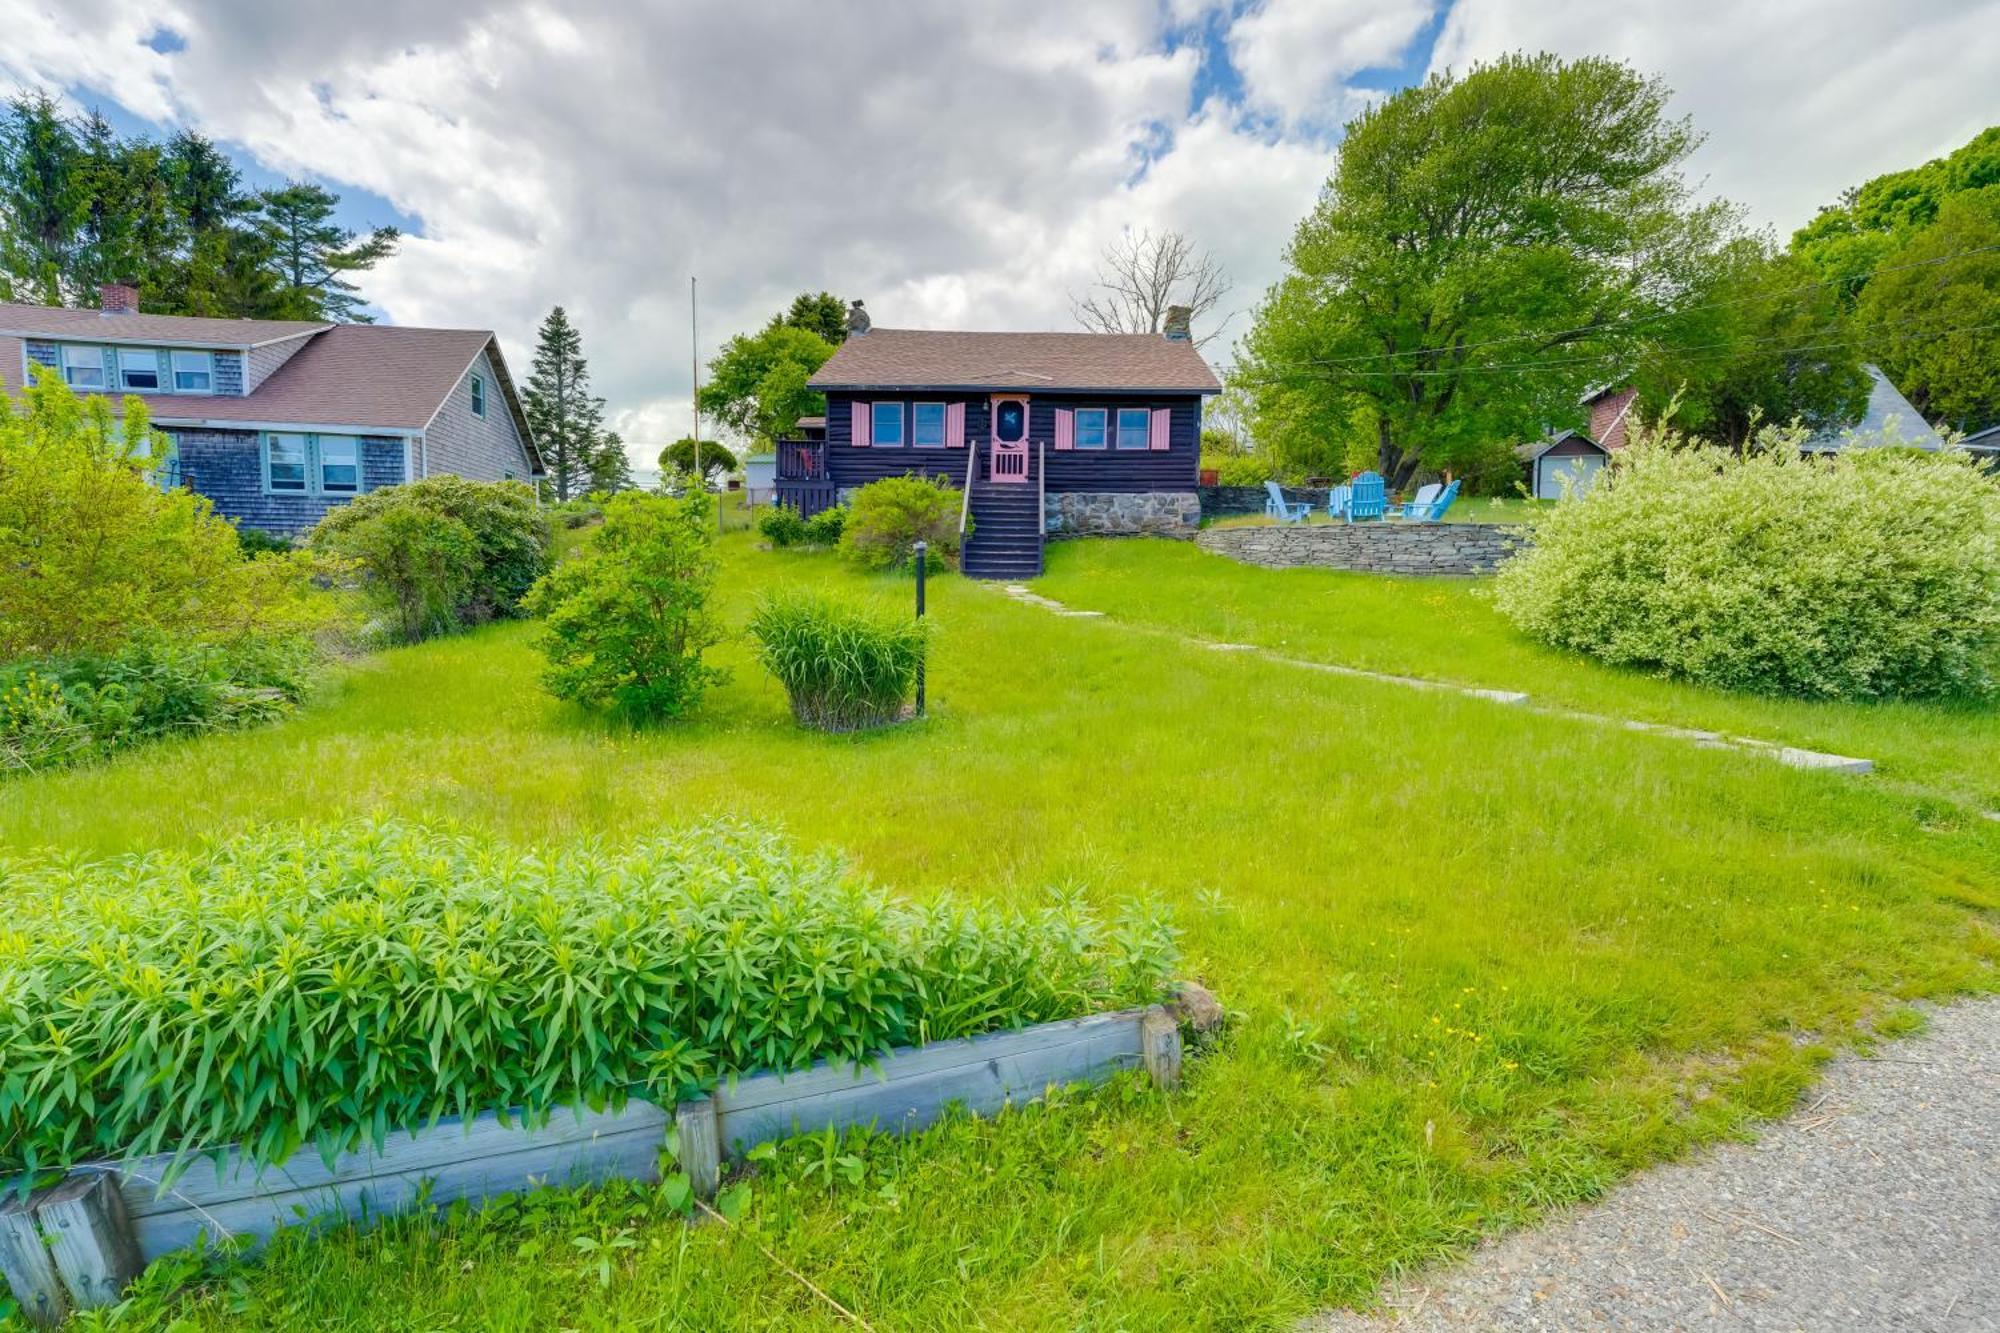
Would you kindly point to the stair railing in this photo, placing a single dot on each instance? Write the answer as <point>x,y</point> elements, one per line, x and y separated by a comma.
<point>965,501</point>
<point>1042,492</point>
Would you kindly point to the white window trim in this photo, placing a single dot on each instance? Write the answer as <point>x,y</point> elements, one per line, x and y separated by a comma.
<point>174,369</point>
<point>944,425</point>
<point>319,470</point>
<point>875,440</point>
<point>1076,430</point>
<point>1145,431</point>
<point>315,465</point>
<point>137,351</point>
<point>478,395</point>
<point>62,364</point>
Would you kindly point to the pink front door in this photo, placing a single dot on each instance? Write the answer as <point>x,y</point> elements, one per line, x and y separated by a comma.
<point>1010,439</point>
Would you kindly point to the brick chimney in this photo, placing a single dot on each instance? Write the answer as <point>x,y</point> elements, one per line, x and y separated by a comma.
<point>119,298</point>
<point>1178,318</point>
<point>857,319</point>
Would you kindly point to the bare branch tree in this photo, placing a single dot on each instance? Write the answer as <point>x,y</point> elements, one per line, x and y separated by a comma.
<point>1142,274</point>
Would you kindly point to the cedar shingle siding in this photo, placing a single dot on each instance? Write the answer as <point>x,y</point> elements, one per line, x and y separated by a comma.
<point>227,466</point>
<point>484,448</point>
<point>266,359</point>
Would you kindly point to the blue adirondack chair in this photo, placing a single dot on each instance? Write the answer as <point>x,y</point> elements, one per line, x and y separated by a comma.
<point>1431,513</point>
<point>1337,501</point>
<point>1425,495</point>
<point>1278,507</point>
<point>1370,498</point>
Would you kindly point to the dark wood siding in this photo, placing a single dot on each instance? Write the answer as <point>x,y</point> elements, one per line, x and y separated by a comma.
<point>1103,470</point>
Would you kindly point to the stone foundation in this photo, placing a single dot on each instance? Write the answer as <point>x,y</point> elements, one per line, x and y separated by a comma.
<point>1123,514</point>
<point>1370,548</point>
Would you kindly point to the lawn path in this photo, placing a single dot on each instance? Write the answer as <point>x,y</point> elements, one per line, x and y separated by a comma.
<point>1789,755</point>
<point>1875,1207</point>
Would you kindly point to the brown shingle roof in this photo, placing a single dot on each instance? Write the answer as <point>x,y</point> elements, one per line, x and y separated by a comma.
<point>50,321</point>
<point>934,359</point>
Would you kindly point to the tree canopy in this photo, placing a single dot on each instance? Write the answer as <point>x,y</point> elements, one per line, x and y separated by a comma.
<point>757,385</point>
<point>1932,321</point>
<point>568,420</point>
<point>1847,241</point>
<point>1481,252</point>
<point>680,457</point>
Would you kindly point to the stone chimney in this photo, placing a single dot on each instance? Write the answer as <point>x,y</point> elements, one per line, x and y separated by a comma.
<point>1178,317</point>
<point>119,298</point>
<point>857,320</point>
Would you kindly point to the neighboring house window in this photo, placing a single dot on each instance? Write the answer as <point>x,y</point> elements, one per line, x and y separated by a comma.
<point>479,395</point>
<point>83,367</point>
<point>339,464</point>
<point>139,368</point>
<point>927,425</point>
<point>194,372</point>
<point>1135,425</point>
<point>285,462</point>
<point>885,425</point>
<point>1090,427</point>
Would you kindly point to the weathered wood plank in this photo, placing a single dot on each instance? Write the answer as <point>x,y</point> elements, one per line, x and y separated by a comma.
<point>700,1133</point>
<point>1160,1047</point>
<point>25,1261</point>
<point>90,1238</point>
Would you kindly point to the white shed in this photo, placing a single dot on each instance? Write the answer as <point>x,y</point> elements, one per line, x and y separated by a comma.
<point>1566,463</point>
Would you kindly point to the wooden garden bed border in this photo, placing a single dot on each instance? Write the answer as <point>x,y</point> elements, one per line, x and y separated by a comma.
<point>77,1243</point>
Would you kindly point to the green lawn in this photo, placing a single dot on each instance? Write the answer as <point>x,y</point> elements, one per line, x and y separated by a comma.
<point>1484,961</point>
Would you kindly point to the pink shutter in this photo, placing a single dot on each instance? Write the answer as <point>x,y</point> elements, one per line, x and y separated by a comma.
<point>1065,428</point>
<point>1163,420</point>
<point>860,440</point>
<point>954,426</point>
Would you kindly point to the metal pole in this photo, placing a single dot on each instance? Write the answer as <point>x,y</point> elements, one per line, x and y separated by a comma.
<point>922,552</point>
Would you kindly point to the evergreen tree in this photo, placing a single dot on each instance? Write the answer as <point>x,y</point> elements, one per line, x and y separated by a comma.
<point>610,469</point>
<point>817,312</point>
<point>128,232</point>
<point>310,254</point>
<point>567,420</point>
<point>42,204</point>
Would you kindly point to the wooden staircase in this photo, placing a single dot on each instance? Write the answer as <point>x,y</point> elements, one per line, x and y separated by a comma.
<point>1006,537</point>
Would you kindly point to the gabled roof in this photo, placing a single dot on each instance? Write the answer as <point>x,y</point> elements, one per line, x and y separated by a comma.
<point>1983,439</point>
<point>938,359</point>
<point>1889,416</point>
<point>1534,449</point>
<point>50,321</point>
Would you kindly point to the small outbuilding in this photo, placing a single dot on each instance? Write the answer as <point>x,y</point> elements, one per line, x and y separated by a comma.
<point>1566,463</point>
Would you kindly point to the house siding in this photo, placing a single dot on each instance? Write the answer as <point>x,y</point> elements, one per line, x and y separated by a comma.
<point>228,382</point>
<point>483,448</point>
<point>266,359</point>
<point>1095,471</point>
<point>13,363</point>
<point>225,466</point>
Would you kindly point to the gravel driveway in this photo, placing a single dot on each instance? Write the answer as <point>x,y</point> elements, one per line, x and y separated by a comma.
<point>1875,1207</point>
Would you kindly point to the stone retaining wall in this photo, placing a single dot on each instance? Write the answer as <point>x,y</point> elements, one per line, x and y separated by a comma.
<point>1370,548</point>
<point>1232,501</point>
<point>1123,514</point>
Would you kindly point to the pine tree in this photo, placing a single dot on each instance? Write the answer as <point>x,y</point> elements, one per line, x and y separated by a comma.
<point>42,204</point>
<point>610,469</point>
<point>310,253</point>
<point>128,232</point>
<point>567,420</point>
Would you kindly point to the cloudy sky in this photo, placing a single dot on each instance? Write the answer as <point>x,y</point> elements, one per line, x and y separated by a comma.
<point>957,164</point>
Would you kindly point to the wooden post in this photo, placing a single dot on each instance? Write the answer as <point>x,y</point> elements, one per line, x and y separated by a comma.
<point>24,1259</point>
<point>701,1145</point>
<point>1160,1047</point>
<point>91,1238</point>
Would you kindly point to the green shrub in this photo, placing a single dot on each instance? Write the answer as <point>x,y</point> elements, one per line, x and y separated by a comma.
<point>627,617</point>
<point>94,554</point>
<point>442,552</point>
<point>782,526</point>
<point>825,527</point>
<point>56,713</point>
<point>1870,573</point>
<point>843,668</point>
<point>889,517</point>
<point>323,987</point>
<point>1240,469</point>
<point>256,541</point>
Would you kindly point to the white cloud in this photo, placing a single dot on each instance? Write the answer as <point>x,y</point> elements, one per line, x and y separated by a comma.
<point>1294,55</point>
<point>1799,98</point>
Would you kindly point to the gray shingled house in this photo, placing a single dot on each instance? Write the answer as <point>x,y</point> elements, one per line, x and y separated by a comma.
<point>276,421</point>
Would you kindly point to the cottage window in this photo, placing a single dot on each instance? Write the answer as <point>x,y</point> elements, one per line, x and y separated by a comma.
<point>339,464</point>
<point>479,395</point>
<point>139,368</point>
<point>1135,426</point>
<point>194,372</point>
<point>885,425</point>
<point>1091,427</point>
<point>927,425</point>
<point>285,462</point>
<point>83,367</point>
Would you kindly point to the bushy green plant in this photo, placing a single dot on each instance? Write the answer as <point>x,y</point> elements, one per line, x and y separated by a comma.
<point>887,518</point>
<point>1240,469</point>
<point>55,713</point>
<point>843,668</point>
<point>93,554</point>
<point>825,527</point>
<point>442,552</point>
<point>256,541</point>
<point>1870,573</point>
<point>321,987</point>
<point>782,526</point>
<point>627,618</point>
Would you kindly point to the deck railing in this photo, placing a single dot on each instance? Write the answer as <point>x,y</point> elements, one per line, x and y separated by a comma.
<point>801,460</point>
<point>965,499</point>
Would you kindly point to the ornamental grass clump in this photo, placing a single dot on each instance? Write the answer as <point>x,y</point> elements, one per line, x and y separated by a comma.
<point>323,986</point>
<point>842,667</point>
<point>1871,573</point>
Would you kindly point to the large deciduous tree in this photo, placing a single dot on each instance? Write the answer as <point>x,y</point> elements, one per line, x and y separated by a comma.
<point>1142,275</point>
<point>1932,319</point>
<point>567,419</point>
<point>757,383</point>
<point>1479,255</point>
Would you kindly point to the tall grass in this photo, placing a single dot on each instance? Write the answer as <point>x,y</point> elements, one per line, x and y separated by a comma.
<point>842,668</point>
<point>324,986</point>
